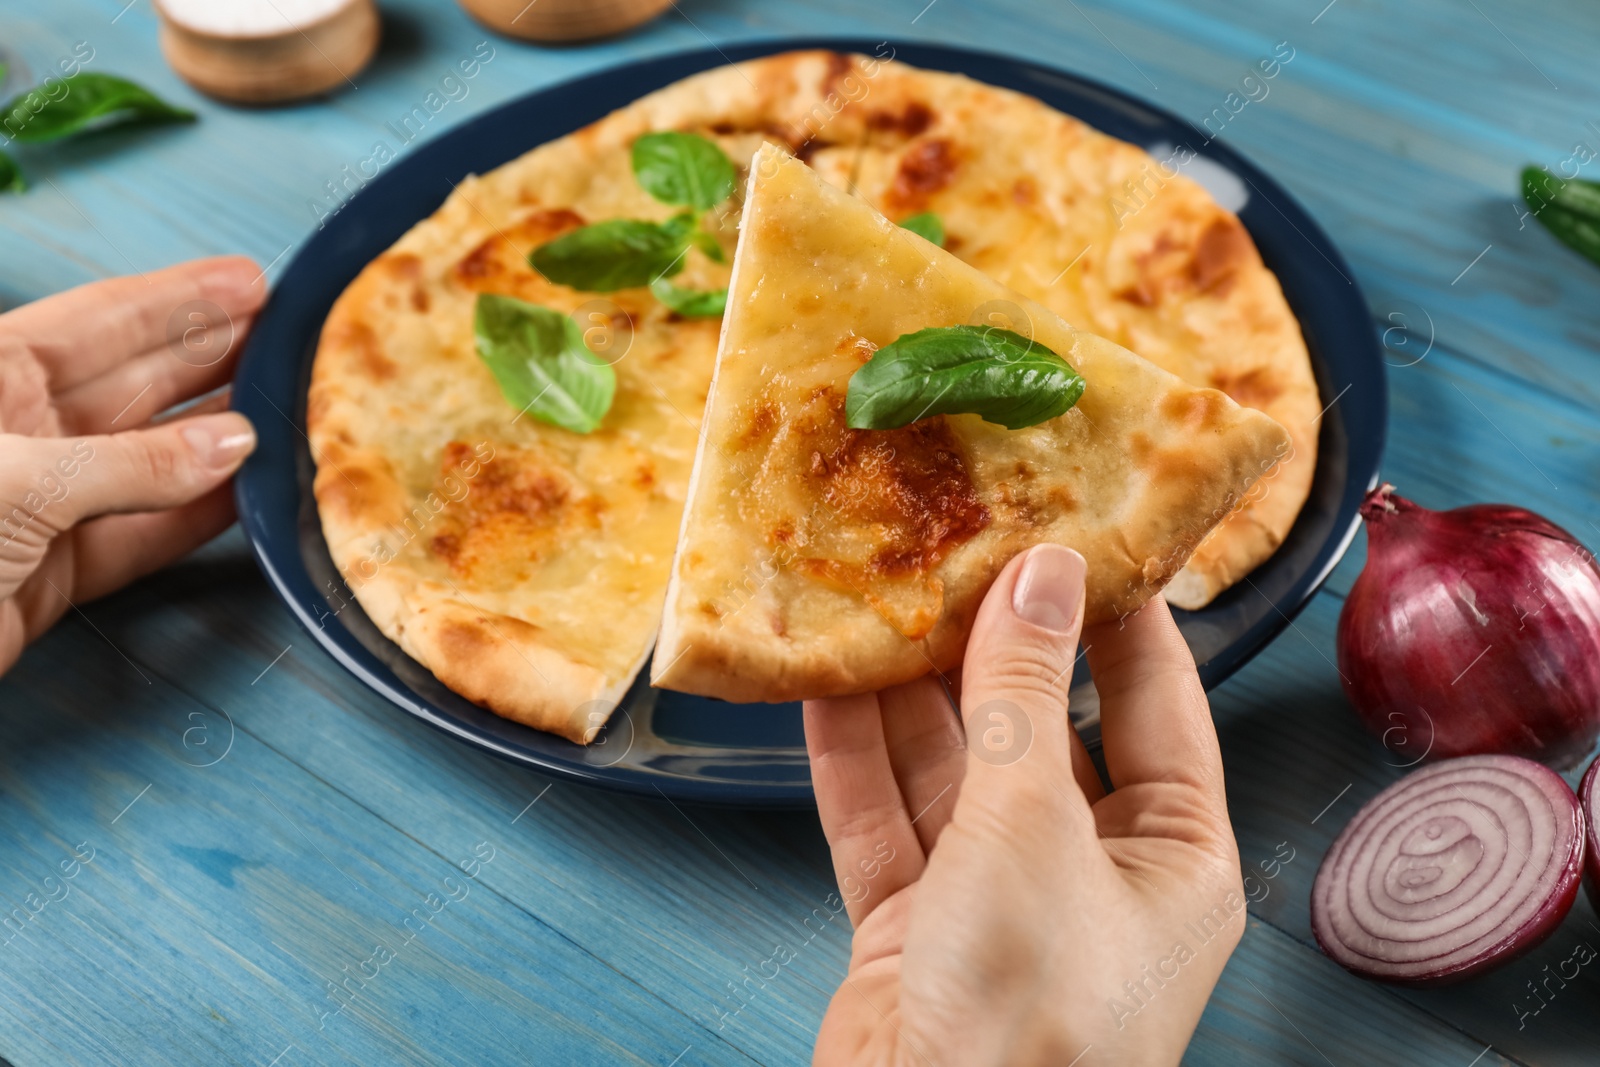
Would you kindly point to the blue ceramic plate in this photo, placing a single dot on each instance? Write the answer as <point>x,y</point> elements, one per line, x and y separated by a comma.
<point>690,748</point>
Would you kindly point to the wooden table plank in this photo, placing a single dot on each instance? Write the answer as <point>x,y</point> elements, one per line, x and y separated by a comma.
<point>216,904</point>
<point>1464,432</point>
<point>1322,1016</point>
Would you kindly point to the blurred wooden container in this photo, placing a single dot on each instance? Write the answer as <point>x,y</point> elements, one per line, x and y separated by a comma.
<point>557,21</point>
<point>256,66</point>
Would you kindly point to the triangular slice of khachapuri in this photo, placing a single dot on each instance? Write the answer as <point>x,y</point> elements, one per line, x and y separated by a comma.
<point>818,560</point>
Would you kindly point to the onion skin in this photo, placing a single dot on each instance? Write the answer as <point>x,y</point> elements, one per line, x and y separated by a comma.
<point>1424,799</point>
<point>1591,855</point>
<point>1473,631</point>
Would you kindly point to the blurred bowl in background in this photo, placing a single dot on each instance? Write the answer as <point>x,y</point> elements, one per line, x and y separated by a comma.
<point>561,21</point>
<point>267,51</point>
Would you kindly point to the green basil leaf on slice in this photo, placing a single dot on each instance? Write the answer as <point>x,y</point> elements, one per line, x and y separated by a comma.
<point>947,370</point>
<point>683,168</point>
<point>76,103</point>
<point>616,254</point>
<point>928,226</point>
<point>690,303</point>
<point>11,176</point>
<point>538,357</point>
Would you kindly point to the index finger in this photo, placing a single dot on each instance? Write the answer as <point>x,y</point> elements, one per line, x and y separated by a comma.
<point>83,332</point>
<point>1155,720</point>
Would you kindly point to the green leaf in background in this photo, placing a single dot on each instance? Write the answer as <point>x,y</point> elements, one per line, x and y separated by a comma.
<point>538,357</point>
<point>1569,208</point>
<point>946,370</point>
<point>10,175</point>
<point>927,225</point>
<point>86,100</point>
<point>683,168</point>
<point>708,245</point>
<point>690,303</point>
<point>615,254</point>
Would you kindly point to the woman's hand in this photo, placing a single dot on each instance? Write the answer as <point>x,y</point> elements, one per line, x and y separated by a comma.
<point>1007,910</point>
<point>92,494</point>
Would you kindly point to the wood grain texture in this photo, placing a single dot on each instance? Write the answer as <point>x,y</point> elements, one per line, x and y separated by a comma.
<point>221,901</point>
<point>608,930</point>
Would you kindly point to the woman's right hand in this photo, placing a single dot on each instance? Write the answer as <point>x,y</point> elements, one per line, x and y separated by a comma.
<point>1007,910</point>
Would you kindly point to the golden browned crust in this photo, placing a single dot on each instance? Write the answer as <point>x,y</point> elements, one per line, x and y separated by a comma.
<point>1134,477</point>
<point>508,665</point>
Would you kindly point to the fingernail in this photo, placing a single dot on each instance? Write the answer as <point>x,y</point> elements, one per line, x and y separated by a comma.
<point>220,441</point>
<point>1049,591</point>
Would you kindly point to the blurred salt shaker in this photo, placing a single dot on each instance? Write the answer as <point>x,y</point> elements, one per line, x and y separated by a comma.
<point>267,51</point>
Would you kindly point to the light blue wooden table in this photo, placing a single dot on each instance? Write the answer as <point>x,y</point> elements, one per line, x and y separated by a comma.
<point>258,823</point>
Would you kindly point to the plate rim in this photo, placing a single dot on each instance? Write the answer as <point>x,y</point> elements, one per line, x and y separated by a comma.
<point>926,55</point>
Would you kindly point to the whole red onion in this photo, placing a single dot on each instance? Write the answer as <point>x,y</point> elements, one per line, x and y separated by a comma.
<point>1473,631</point>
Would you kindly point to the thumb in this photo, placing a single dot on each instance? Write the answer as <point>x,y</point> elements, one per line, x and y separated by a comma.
<point>152,469</point>
<point>1017,670</point>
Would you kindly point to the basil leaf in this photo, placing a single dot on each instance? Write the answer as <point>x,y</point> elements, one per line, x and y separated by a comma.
<point>690,303</point>
<point>683,168</point>
<point>927,225</point>
<point>948,370</point>
<point>538,357</point>
<point>90,99</point>
<point>1568,208</point>
<point>11,176</point>
<point>616,254</point>
<point>681,227</point>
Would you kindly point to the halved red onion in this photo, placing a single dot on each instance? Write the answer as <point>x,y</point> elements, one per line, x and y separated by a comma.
<point>1587,796</point>
<point>1454,869</point>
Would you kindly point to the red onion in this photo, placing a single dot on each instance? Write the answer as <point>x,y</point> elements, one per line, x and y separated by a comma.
<point>1473,630</point>
<point>1454,869</point>
<point>1591,855</point>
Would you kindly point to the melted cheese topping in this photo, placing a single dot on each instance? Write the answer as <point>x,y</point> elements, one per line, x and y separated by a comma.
<point>866,511</point>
